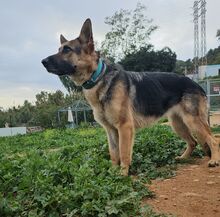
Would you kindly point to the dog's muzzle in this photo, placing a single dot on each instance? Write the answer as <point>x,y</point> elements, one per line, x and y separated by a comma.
<point>58,67</point>
<point>45,62</point>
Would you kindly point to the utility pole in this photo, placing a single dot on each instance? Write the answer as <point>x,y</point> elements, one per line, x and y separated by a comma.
<point>196,35</point>
<point>199,12</point>
<point>203,33</point>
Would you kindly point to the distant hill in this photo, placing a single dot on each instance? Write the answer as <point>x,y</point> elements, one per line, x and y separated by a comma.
<point>213,57</point>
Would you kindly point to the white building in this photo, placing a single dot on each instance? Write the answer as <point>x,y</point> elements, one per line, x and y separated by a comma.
<point>209,70</point>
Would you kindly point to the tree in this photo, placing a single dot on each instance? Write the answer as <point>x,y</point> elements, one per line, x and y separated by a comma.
<point>130,30</point>
<point>43,113</point>
<point>25,113</point>
<point>146,59</point>
<point>213,56</point>
<point>182,66</point>
<point>47,105</point>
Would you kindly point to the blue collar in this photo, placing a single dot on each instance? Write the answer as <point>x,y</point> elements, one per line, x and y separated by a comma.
<point>96,75</point>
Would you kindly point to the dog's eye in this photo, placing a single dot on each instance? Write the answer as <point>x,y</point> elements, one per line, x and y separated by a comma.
<point>66,49</point>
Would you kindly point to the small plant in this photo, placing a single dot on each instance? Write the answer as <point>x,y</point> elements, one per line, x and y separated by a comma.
<point>155,150</point>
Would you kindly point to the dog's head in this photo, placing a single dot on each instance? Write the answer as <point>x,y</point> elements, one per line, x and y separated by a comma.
<point>76,58</point>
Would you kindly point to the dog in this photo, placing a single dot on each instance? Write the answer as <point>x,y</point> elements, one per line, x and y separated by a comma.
<point>123,101</point>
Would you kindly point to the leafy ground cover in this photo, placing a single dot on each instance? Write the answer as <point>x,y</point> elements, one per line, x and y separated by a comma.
<point>68,173</point>
<point>216,129</point>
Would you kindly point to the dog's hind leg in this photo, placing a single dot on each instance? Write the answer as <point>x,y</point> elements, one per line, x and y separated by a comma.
<point>194,116</point>
<point>204,136</point>
<point>203,114</point>
<point>183,131</point>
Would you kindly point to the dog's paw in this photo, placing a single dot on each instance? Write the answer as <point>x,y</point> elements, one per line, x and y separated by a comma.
<point>124,171</point>
<point>213,163</point>
<point>180,158</point>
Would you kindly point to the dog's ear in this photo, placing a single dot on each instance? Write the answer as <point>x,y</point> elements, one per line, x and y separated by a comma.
<point>62,39</point>
<point>86,32</point>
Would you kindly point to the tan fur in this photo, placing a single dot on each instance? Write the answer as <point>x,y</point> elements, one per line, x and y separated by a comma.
<point>118,121</point>
<point>185,124</point>
<point>183,131</point>
<point>86,64</point>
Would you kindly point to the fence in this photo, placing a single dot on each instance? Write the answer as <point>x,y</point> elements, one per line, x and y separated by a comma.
<point>11,131</point>
<point>212,89</point>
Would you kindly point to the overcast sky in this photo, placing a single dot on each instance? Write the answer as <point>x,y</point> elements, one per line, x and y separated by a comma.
<point>30,31</point>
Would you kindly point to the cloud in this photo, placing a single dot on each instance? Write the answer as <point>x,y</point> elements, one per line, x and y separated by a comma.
<point>30,31</point>
<point>18,94</point>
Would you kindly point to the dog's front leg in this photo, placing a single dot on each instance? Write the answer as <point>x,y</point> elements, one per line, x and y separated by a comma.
<point>126,137</point>
<point>113,141</point>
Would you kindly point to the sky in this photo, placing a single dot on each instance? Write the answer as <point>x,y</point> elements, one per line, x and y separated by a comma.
<point>30,32</point>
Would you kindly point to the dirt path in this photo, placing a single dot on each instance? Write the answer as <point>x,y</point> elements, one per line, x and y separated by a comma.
<point>193,192</point>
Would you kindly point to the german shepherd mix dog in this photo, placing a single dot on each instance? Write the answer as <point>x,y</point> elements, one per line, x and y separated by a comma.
<point>123,101</point>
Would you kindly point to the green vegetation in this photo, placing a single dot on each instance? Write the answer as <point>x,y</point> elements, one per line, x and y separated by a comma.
<point>68,173</point>
<point>182,66</point>
<point>213,57</point>
<point>216,129</point>
<point>43,113</point>
<point>130,30</point>
<point>147,59</point>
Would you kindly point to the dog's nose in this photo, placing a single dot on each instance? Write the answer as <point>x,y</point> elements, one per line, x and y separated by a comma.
<point>45,61</point>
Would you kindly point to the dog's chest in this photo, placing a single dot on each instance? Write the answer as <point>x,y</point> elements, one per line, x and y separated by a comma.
<point>95,101</point>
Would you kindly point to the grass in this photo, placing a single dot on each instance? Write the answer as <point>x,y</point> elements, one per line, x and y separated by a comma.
<point>69,173</point>
<point>216,129</point>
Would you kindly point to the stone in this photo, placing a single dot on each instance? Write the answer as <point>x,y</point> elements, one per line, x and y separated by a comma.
<point>210,183</point>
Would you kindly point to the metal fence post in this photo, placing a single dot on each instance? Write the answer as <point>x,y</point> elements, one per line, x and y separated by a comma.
<point>208,95</point>
<point>208,92</point>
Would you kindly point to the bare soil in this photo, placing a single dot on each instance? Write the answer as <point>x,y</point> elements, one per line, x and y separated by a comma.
<point>193,192</point>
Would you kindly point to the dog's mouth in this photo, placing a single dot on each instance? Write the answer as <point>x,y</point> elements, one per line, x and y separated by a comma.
<point>59,71</point>
<point>58,68</point>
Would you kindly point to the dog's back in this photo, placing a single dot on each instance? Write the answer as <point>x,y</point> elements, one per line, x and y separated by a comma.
<point>152,93</point>
<point>157,92</point>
